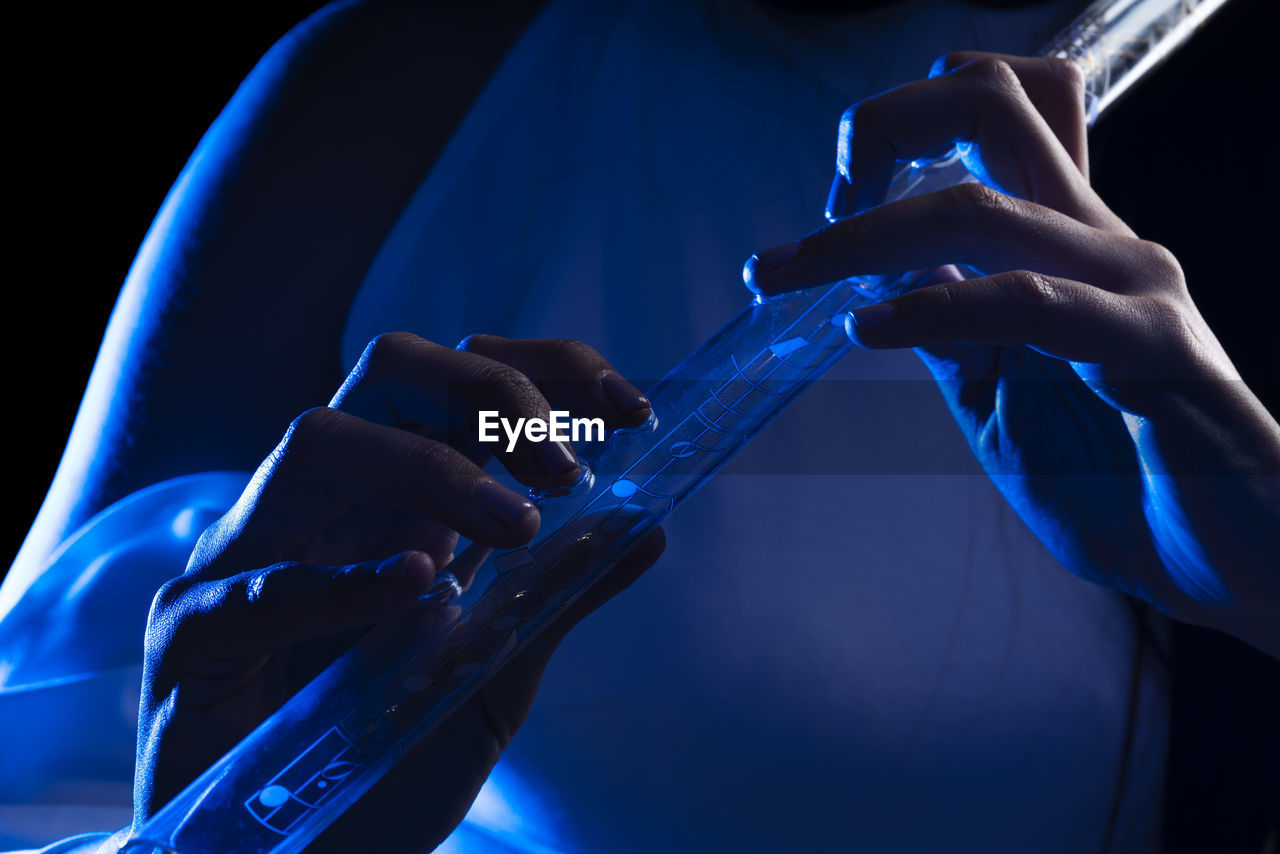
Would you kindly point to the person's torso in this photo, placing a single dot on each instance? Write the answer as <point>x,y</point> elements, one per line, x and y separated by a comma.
<point>851,642</point>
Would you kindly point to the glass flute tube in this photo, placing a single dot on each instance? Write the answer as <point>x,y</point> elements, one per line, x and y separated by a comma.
<point>293,775</point>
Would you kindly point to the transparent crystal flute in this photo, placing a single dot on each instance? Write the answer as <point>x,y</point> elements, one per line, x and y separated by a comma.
<point>293,775</point>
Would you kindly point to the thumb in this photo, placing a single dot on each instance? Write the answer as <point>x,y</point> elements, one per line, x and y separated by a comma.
<point>262,611</point>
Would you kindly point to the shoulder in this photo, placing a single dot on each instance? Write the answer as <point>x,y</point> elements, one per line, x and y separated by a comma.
<point>230,319</point>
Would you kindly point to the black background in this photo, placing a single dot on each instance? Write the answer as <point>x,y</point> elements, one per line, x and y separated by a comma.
<point>108,108</point>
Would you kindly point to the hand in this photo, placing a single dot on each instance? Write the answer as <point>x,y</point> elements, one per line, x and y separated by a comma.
<point>348,519</point>
<point>1073,358</point>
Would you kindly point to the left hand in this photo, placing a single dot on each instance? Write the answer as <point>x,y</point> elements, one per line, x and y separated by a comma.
<point>344,524</point>
<point>1074,360</point>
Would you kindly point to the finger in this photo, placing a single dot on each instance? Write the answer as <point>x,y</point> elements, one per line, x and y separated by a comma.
<point>968,224</point>
<point>367,531</point>
<point>329,460</point>
<point>1055,88</point>
<point>950,361</point>
<point>465,566</point>
<point>415,384</point>
<point>470,740</point>
<point>218,626</point>
<point>571,374</point>
<point>1010,146</point>
<point>1058,317</point>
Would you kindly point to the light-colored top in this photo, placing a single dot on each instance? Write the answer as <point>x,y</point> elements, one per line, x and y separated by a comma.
<point>851,643</point>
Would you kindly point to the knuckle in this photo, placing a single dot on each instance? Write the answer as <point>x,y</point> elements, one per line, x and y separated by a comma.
<point>1034,288</point>
<point>861,139</point>
<point>1167,321</point>
<point>169,621</point>
<point>868,120</point>
<point>942,297</point>
<point>508,380</point>
<point>166,602</point>
<point>948,62</point>
<point>435,459</point>
<point>993,73</point>
<point>476,342</point>
<point>847,119</point>
<point>936,307</point>
<point>863,113</point>
<point>265,587</point>
<point>975,199</point>
<point>303,440</point>
<point>310,427</point>
<point>1163,316</point>
<point>1065,74</point>
<point>388,347</point>
<point>1159,262</point>
<point>860,121</point>
<point>573,351</point>
<point>514,391</point>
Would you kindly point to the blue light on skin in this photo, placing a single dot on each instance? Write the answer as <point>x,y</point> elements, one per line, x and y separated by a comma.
<point>1180,550</point>
<point>971,157</point>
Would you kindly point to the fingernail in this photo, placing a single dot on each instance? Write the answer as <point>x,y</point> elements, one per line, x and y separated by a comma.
<point>871,316</point>
<point>393,568</point>
<point>555,458</point>
<point>838,198</point>
<point>771,259</point>
<point>625,397</point>
<point>501,503</point>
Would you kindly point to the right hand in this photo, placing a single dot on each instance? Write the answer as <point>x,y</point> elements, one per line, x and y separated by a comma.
<point>1071,354</point>
<point>348,519</point>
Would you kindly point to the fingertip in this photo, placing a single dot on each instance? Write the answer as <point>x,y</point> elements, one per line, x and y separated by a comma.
<point>861,321</point>
<point>413,568</point>
<point>631,405</point>
<point>506,507</point>
<point>749,275</point>
<point>755,278</point>
<point>872,316</point>
<point>557,462</point>
<point>762,267</point>
<point>516,516</point>
<point>420,569</point>
<point>527,528</point>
